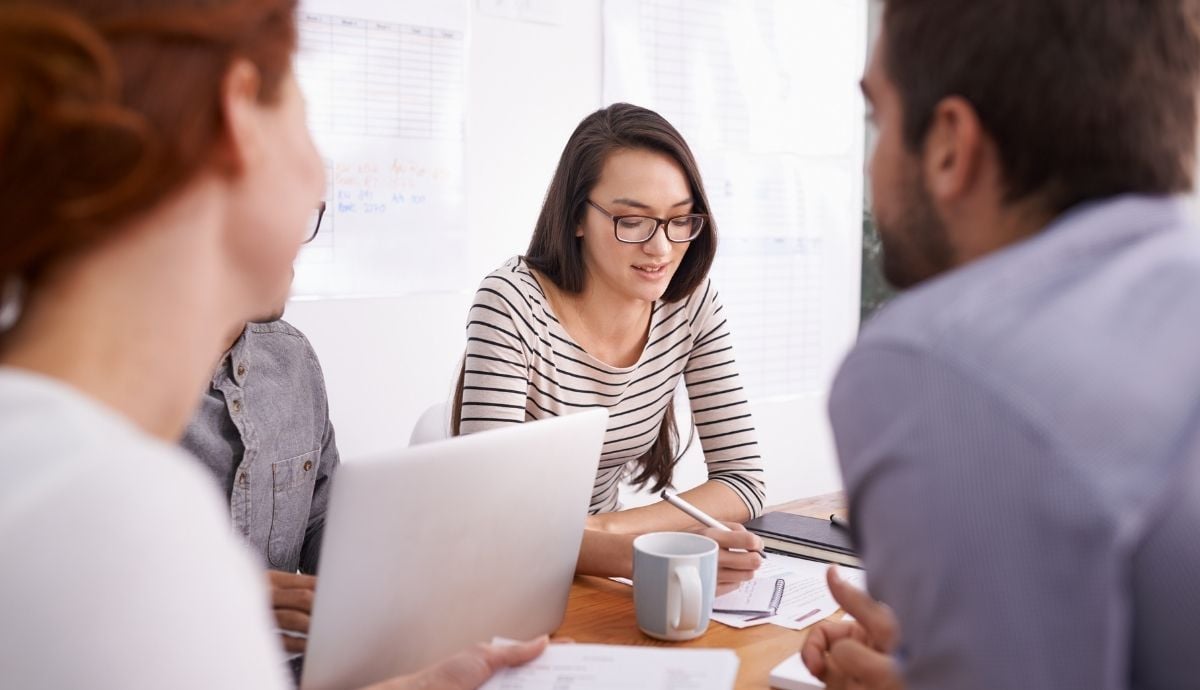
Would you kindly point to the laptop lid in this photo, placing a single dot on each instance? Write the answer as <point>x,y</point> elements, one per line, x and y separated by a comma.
<point>430,549</point>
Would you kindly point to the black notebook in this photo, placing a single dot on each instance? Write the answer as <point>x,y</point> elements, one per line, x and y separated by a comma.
<point>807,537</point>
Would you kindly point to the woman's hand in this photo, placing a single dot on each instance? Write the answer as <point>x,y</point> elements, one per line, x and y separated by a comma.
<point>739,564</point>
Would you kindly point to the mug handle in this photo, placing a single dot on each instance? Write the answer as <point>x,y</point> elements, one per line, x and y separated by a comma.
<point>684,606</point>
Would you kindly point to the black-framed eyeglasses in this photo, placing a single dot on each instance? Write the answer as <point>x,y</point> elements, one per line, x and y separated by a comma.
<point>639,229</point>
<point>314,222</point>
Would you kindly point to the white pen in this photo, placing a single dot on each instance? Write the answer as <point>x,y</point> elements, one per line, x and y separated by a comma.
<point>699,515</point>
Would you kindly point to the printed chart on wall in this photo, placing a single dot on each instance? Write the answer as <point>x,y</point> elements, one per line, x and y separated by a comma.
<point>766,94</point>
<point>385,86</point>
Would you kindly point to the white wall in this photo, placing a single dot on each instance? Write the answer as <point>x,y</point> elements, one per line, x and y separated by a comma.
<point>387,359</point>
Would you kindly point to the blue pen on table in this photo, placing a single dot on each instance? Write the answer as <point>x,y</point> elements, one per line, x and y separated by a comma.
<point>699,515</point>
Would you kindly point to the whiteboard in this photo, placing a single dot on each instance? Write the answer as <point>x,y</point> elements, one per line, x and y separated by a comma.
<point>529,81</point>
<point>385,89</point>
<point>765,92</point>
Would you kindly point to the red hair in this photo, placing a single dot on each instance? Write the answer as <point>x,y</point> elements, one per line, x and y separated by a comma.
<point>107,106</point>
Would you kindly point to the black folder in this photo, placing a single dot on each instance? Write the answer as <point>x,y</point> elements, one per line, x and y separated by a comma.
<point>813,538</point>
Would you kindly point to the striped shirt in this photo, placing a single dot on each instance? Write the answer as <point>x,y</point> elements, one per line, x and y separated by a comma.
<point>521,364</point>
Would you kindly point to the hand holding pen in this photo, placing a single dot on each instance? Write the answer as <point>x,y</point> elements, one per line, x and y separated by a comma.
<point>737,560</point>
<point>700,516</point>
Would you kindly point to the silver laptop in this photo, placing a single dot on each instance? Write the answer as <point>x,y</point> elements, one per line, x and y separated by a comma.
<point>430,549</point>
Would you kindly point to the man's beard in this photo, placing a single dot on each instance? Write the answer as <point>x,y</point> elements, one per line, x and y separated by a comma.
<point>915,246</point>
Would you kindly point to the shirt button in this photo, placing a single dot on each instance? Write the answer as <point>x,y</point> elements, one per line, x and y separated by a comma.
<point>236,405</point>
<point>241,369</point>
<point>307,465</point>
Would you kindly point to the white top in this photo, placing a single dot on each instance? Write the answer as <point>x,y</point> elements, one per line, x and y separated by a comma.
<point>119,568</point>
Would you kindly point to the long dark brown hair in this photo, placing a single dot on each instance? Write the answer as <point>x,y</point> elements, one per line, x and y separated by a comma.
<point>554,250</point>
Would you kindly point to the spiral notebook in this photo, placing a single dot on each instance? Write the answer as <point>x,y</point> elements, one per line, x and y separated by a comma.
<point>758,597</point>
<point>805,597</point>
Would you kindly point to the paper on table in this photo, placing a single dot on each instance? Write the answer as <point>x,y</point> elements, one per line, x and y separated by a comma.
<point>806,597</point>
<point>615,667</point>
<point>809,599</point>
<point>792,674</point>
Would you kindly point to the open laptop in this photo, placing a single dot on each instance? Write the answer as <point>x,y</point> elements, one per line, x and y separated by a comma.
<point>430,549</point>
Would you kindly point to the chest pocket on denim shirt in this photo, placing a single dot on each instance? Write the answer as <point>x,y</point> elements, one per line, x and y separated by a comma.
<point>291,496</point>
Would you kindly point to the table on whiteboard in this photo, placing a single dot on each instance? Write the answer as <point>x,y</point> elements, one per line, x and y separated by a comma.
<point>385,89</point>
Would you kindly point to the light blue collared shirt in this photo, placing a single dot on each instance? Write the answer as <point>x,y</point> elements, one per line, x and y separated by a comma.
<point>1020,442</point>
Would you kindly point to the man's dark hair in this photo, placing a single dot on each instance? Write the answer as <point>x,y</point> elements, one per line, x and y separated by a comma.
<point>1085,98</point>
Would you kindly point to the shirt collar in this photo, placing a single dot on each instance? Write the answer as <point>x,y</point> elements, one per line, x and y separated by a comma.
<point>234,364</point>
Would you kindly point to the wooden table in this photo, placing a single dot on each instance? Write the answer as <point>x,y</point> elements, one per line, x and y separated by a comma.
<point>600,610</point>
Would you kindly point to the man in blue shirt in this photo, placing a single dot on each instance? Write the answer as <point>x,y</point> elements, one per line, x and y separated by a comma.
<point>1019,431</point>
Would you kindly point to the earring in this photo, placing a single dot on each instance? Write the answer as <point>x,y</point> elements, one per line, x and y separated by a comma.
<point>10,302</point>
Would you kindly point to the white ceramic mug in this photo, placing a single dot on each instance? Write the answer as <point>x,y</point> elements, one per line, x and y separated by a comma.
<point>674,580</point>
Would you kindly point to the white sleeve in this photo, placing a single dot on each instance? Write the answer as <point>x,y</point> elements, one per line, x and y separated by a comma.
<point>126,575</point>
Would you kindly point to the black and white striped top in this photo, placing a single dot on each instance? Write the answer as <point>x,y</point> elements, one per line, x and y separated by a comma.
<point>521,364</point>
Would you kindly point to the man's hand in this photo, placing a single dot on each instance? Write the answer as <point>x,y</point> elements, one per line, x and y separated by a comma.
<point>468,670</point>
<point>854,655</point>
<point>292,600</point>
<point>735,567</point>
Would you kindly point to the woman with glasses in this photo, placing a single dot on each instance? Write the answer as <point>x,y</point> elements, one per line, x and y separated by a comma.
<point>610,307</point>
<point>143,221</point>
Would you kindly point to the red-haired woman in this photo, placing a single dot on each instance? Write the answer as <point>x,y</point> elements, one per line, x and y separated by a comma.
<point>155,181</point>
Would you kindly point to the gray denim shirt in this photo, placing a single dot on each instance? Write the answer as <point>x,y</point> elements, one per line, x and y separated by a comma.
<point>263,430</point>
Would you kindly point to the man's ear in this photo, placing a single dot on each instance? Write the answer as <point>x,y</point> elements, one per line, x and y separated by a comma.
<point>954,150</point>
<point>241,113</point>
